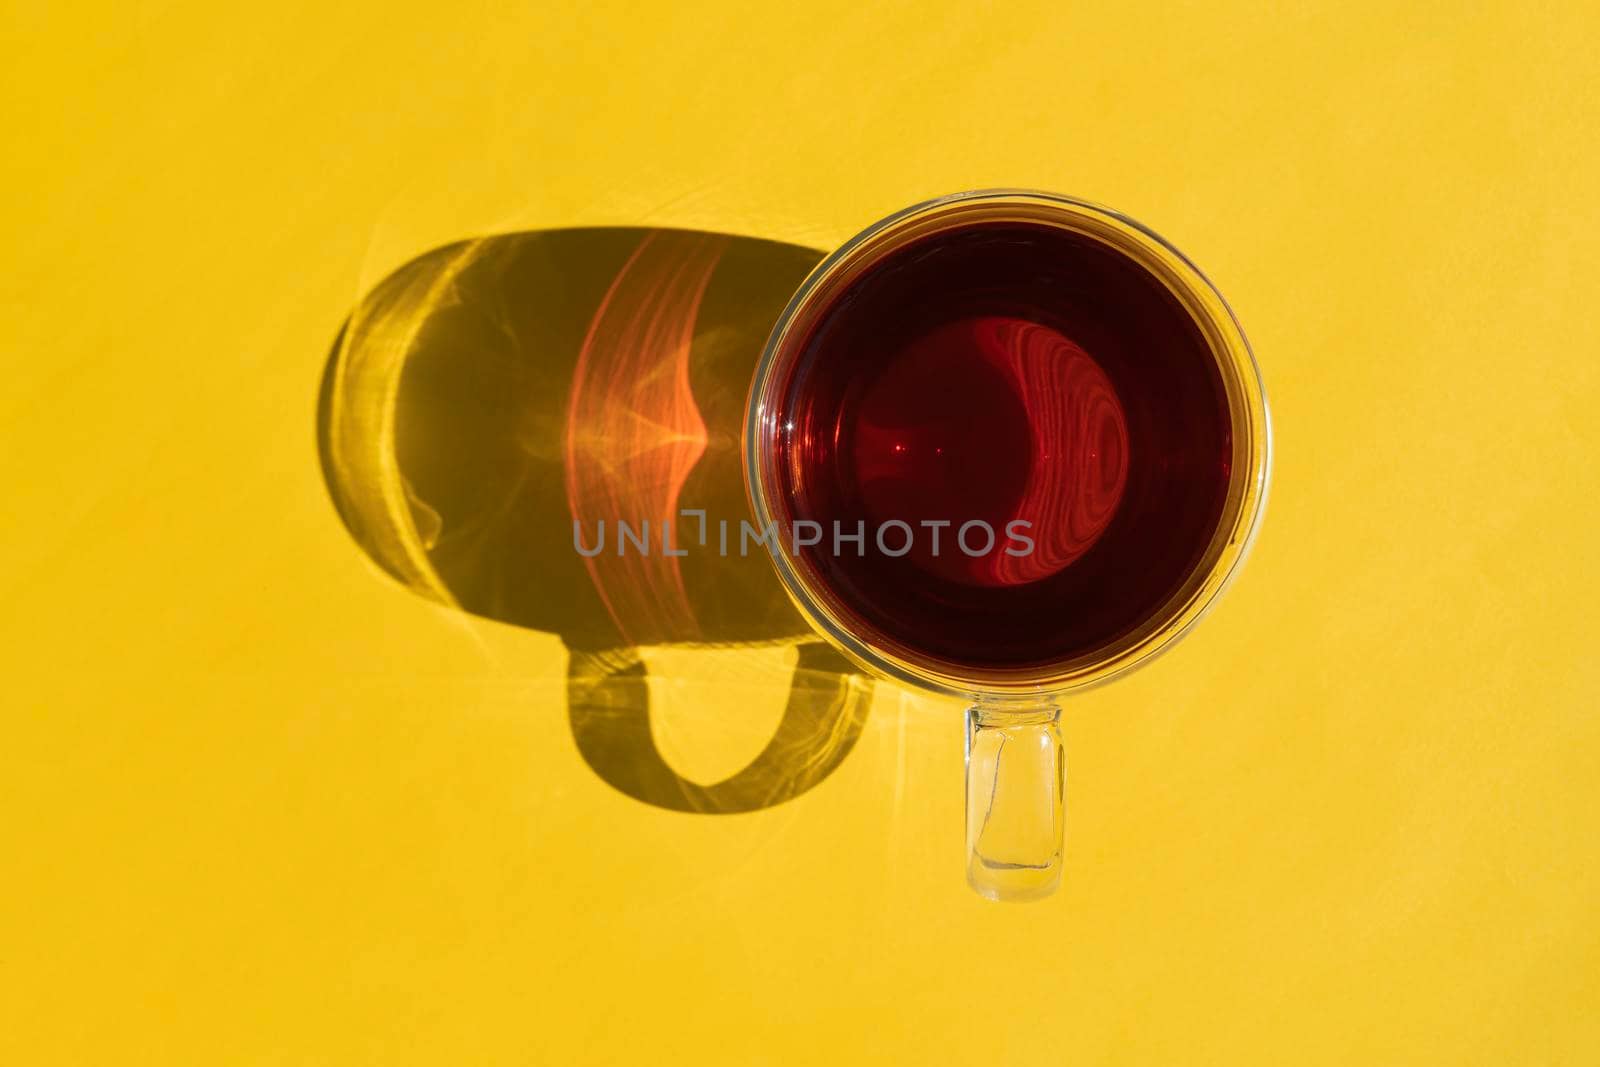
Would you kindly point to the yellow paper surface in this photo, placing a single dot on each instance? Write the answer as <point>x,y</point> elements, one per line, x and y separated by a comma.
<point>262,805</point>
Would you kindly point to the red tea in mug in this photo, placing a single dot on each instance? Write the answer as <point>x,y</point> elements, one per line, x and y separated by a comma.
<point>1028,430</point>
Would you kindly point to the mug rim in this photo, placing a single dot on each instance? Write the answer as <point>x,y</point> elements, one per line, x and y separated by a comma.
<point>1230,542</point>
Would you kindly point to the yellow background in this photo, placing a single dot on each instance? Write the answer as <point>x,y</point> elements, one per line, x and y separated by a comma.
<point>261,805</point>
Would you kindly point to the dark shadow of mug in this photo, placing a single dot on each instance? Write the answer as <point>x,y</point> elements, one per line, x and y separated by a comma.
<point>490,408</point>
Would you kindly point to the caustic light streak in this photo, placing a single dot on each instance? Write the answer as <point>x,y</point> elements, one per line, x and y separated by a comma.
<point>634,432</point>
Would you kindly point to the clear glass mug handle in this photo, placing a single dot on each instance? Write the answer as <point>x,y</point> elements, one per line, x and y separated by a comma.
<point>1016,797</point>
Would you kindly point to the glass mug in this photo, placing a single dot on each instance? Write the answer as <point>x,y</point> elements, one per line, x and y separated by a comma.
<point>1009,444</point>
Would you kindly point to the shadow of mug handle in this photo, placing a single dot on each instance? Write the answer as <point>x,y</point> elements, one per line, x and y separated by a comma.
<point>609,712</point>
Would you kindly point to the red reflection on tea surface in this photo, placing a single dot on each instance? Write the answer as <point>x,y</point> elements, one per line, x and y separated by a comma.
<point>1057,464</point>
